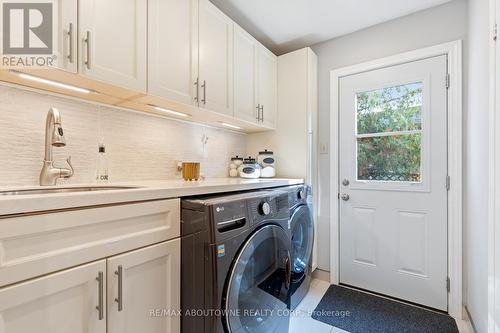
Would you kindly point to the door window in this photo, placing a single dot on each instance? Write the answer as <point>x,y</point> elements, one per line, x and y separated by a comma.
<point>389,134</point>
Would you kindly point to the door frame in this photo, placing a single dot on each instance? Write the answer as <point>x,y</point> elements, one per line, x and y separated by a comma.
<point>494,164</point>
<point>454,52</point>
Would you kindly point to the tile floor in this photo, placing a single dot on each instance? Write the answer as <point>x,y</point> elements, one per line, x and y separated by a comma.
<point>301,321</point>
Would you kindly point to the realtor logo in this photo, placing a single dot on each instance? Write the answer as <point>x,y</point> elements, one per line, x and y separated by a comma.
<point>27,28</point>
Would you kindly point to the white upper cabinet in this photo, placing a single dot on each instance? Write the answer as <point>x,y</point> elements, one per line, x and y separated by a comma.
<point>113,42</point>
<point>173,49</point>
<point>215,59</point>
<point>142,281</point>
<point>67,35</point>
<point>73,301</point>
<point>245,76</point>
<point>267,86</point>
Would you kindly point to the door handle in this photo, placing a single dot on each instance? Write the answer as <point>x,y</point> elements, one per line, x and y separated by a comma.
<point>100,293</point>
<point>262,113</point>
<point>197,89</point>
<point>119,299</point>
<point>70,41</point>
<point>204,86</point>
<point>87,49</point>
<point>345,196</point>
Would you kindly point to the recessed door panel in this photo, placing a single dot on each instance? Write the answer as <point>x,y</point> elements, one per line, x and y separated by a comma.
<point>365,244</point>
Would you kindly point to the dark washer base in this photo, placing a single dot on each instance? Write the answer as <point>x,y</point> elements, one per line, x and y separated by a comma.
<point>236,263</point>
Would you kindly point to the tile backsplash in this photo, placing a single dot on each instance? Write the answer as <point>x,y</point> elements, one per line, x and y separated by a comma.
<point>138,146</point>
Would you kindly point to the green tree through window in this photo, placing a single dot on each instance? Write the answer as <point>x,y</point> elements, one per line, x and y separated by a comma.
<point>389,131</point>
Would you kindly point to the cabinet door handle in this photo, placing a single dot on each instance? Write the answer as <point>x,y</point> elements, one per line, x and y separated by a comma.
<point>262,113</point>
<point>196,84</point>
<point>119,299</point>
<point>70,41</point>
<point>87,50</point>
<point>204,86</point>
<point>100,295</point>
<point>258,112</point>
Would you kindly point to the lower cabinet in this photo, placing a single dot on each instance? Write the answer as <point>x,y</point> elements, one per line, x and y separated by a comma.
<point>63,302</point>
<point>144,290</point>
<point>138,291</point>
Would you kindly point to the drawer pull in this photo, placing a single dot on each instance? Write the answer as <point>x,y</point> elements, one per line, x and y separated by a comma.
<point>119,299</point>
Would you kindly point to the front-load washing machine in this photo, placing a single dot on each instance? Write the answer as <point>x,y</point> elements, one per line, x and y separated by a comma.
<point>236,263</point>
<point>302,234</point>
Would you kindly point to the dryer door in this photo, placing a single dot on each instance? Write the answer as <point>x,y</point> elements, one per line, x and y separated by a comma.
<point>302,241</point>
<point>257,294</point>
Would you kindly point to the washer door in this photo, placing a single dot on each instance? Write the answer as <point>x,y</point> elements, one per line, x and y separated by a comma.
<point>302,240</point>
<point>257,294</point>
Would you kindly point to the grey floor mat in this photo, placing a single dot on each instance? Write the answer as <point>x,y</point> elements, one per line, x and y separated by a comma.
<point>359,312</point>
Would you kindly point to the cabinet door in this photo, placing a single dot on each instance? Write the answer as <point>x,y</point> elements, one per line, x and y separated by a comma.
<point>67,35</point>
<point>267,86</point>
<point>173,49</point>
<point>113,41</point>
<point>58,303</point>
<point>216,59</point>
<point>143,286</point>
<point>245,72</point>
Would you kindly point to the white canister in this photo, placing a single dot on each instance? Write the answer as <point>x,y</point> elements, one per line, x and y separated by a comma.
<point>268,172</point>
<point>234,165</point>
<point>249,169</point>
<point>266,158</point>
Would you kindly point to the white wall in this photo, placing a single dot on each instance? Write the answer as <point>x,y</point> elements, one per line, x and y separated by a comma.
<point>476,165</point>
<point>430,27</point>
<point>459,19</point>
<point>139,146</point>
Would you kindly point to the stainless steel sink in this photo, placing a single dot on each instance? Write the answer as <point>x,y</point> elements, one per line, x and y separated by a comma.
<point>64,190</point>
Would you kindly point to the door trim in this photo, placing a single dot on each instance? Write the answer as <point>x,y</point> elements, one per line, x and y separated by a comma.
<point>454,52</point>
<point>494,163</point>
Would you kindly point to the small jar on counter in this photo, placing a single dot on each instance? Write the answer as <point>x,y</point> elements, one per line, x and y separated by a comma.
<point>234,165</point>
<point>266,160</point>
<point>250,168</point>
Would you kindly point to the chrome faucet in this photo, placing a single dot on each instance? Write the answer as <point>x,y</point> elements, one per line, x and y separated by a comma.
<point>54,137</point>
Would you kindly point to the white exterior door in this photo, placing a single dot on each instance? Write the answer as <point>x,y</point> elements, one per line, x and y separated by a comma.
<point>113,41</point>
<point>393,171</point>
<point>215,59</point>
<point>149,280</point>
<point>58,303</point>
<point>173,49</point>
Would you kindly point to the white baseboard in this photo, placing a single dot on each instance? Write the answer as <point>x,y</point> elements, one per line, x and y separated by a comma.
<point>321,275</point>
<point>465,325</point>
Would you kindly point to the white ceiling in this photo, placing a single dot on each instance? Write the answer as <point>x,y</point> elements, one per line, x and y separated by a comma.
<point>286,25</point>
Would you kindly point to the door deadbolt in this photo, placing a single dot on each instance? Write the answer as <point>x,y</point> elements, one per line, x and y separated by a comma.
<point>345,182</point>
<point>344,196</point>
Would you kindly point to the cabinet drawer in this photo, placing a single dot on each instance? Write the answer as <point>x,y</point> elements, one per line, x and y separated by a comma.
<point>39,244</point>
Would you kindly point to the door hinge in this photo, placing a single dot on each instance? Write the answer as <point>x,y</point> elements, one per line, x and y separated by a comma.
<point>495,32</point>
<point>338,196</point>
<point>447,81</point>
<point>448,284</point>
<point>448,183</point>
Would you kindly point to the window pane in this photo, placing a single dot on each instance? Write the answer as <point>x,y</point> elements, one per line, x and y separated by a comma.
<point>390,109</point>
<point>390,158</point>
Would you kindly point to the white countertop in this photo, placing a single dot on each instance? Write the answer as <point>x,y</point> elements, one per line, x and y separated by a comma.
<point>147,190</point>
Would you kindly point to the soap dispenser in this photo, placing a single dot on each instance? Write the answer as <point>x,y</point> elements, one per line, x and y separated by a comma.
<point>102,175</point>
